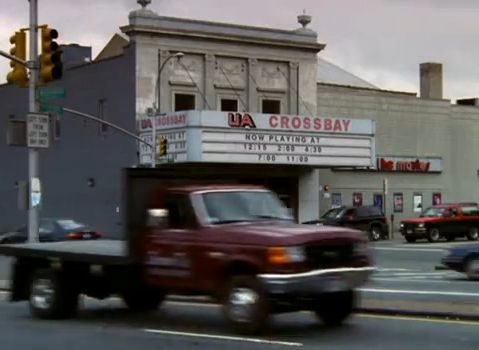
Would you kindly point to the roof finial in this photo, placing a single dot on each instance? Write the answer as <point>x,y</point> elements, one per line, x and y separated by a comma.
<point>304,19</point>
<point>143,3</point>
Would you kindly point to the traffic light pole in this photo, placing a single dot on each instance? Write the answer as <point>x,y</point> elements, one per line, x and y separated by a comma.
<point>33,156</point>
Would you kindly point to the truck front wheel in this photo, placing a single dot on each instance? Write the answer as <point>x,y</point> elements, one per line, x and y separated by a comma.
<point>51,297</point>
<point>246,304</point>
<point>334,308</point>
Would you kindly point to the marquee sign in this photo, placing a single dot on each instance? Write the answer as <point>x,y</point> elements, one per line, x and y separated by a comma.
<point>222,137</point>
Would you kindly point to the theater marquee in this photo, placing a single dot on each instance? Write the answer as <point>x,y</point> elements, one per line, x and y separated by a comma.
<point>221,137</point>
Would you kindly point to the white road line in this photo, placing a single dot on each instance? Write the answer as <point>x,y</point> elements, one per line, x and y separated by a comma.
<point>431,250</point>
<point>419,292</point>
<point>222,337</point>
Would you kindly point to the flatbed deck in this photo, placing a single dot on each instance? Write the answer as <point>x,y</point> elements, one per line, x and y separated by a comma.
<point>100,251</point>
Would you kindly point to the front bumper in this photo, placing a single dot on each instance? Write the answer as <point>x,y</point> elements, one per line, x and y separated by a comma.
<point>317,281</point>
<point>413,231</point>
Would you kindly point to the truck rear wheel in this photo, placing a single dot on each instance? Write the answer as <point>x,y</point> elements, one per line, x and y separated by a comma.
<point>51,297</point>
<point>143,300</point>
<point>246,304</point>
<point>334,308</point>
<point>375,233</point>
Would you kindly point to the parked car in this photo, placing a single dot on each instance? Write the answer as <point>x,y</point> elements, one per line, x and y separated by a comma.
<point>52,230</point>
<point>443,221</point>
<point>463,258</point>
<point>366,218</point>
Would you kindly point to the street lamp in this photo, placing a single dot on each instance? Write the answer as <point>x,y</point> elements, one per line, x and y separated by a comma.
<point>156,106</point>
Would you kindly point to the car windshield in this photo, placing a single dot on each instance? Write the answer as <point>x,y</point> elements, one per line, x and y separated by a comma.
<point>433,211</point>
<point>236,206</point>
<point>332,213</point>
<point>70,224</point>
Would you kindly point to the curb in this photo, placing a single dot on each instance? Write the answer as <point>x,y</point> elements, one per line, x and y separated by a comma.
<point>423,314</point>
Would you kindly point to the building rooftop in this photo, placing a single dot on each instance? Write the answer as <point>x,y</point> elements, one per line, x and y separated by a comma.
<point>329,73</point>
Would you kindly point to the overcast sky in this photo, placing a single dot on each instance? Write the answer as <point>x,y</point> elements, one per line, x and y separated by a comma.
<point>382,41</point>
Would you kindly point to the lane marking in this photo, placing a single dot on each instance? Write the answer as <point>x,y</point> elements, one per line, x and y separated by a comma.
<point>432,250</point>
<point>223,337</point>
<point>419,319</point>
<point>420,292</point>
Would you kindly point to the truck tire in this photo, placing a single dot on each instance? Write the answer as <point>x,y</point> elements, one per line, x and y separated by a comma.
<point>375,233</point>
<point>51,296</point>
<point>473,234</point>
<point>246,304</point>
<point>433,235</point>
<point>334,308</point>
<point>143,300</point>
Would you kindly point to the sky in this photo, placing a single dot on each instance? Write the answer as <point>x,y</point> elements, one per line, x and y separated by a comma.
<point>381,41</point>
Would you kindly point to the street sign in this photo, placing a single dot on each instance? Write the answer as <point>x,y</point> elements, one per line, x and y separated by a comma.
<point>47,107</point>
<point>38,130</point>
<point>51,93</point>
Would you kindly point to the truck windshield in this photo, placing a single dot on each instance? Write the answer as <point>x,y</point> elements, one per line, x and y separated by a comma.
<point>237,206</point>
<point>431,212</point>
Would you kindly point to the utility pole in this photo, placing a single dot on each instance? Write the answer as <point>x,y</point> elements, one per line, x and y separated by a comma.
<point>33,154</point>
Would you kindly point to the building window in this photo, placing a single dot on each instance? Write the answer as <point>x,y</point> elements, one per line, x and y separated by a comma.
<point>271,106</point>
<point>185,102</point>
<point>229,105</point>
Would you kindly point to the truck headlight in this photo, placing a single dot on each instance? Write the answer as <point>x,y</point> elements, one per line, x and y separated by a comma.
<point>284,255</point>
<point>401,225</point>
<point>421,225</point>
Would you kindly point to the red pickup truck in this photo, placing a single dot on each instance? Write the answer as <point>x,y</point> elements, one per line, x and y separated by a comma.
<point>443,221</point>
<point>234,243</point>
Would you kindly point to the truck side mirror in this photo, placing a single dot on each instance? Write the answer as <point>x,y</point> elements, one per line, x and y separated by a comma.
<point>157,218</point>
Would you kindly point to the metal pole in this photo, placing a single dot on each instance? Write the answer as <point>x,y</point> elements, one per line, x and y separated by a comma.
<point>153,149</point>
<point>33,156</point>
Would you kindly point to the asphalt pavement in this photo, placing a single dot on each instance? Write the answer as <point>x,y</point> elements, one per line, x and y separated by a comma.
<point>108,325</point>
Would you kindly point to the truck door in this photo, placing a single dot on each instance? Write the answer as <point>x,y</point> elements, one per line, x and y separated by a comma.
<point>170,256</point>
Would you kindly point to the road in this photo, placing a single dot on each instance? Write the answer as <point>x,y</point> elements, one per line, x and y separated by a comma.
<point>196,326</point>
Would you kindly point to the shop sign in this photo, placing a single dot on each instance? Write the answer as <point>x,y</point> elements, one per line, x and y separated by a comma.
<point>409,164</point>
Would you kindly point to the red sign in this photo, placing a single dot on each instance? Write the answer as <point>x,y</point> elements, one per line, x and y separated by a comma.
<point>241,120</point>
<point>307,123</point>
<point>164,120</point>
<point>404,165</point>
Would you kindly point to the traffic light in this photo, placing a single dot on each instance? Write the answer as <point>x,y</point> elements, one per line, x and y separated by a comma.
<point>51,67</point>
<point>18,75</point>
<point>163,146</point>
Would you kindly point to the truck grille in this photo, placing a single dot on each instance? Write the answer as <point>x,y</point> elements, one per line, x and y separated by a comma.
<point>330,256</point>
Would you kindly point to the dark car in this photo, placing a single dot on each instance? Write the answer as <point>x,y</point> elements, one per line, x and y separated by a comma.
<point>463,258</point>
<point>53,230</point>
<point>366,218</point>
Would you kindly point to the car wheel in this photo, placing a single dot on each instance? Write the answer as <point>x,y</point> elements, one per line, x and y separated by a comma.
<point>433,235</point>
<point>472,268</point>
<point>473,234</point>
<point>334,308</point>
<point>51,296</point>
<point>245,304</point>
<point>375,233</point>
<point>411,239</point>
